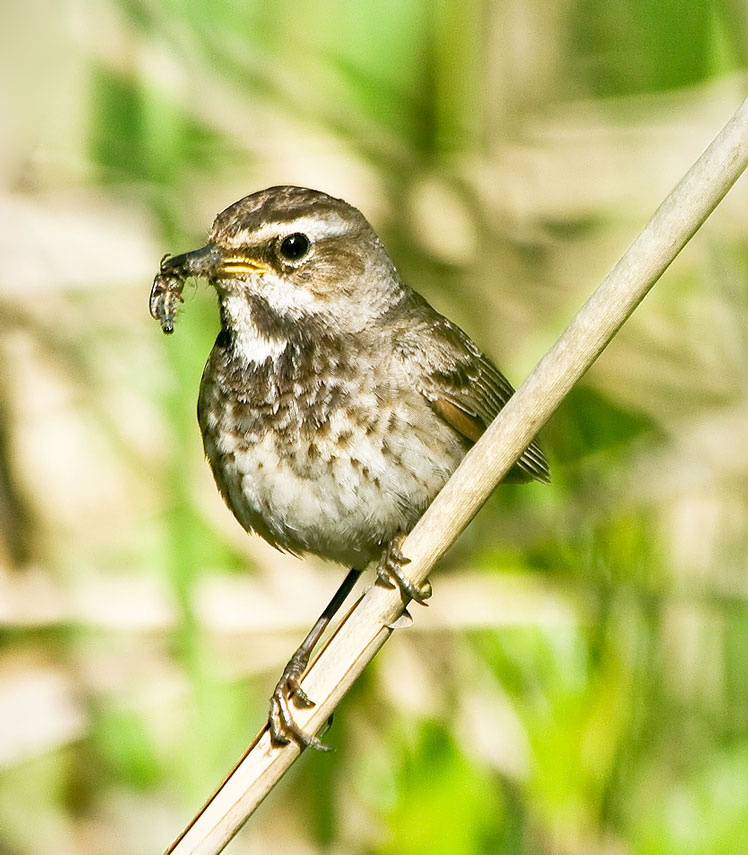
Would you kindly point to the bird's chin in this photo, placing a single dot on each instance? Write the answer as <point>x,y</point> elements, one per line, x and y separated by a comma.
<point>247,286</point>
<point>229,285</point>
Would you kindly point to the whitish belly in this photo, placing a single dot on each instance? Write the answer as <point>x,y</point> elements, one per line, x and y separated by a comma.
<point>340,493</point>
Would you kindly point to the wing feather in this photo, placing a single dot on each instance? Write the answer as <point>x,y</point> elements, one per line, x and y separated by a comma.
<point>459,381</point>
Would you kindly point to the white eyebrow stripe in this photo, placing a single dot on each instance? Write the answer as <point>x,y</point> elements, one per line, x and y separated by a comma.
<point>314,227</point>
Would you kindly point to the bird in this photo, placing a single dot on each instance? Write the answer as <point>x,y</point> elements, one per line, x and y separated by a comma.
<point>336,401</point>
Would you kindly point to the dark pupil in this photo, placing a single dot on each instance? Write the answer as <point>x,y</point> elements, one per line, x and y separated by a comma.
<point>295,246</point>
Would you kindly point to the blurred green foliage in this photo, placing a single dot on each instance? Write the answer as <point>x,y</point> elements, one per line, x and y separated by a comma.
<point>604,707</point>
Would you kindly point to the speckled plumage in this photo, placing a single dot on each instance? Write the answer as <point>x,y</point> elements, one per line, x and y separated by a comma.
<point>336,401</point>
<point>321,450</point>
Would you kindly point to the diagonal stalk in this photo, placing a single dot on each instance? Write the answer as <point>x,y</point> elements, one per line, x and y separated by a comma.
<point>370,622</point>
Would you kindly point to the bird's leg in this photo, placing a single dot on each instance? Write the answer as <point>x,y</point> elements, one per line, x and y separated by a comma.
<point>391,575</point>
<point>282,726</point>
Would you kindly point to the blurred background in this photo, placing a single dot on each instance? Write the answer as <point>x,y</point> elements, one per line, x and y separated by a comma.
<point>579,683</point>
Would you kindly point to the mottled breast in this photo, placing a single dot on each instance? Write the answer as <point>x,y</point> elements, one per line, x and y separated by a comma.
<point>318,450</point>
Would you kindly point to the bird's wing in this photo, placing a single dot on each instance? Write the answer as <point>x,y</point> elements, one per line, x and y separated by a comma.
<point>459,381</point>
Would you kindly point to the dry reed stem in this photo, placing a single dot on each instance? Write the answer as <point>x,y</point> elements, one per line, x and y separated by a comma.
<point>368,624</point>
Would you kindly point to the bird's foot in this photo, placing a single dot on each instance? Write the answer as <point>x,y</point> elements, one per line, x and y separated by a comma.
<point>390,572</point>
<point>283,728</point>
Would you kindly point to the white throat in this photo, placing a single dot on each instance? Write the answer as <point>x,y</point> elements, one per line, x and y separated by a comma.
<point>251,346</point>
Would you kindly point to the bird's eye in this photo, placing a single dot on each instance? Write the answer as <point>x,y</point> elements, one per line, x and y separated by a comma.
<point>294,247</point>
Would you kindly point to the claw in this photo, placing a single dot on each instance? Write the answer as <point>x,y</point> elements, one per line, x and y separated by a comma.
<point>390,572</point>
<point>283,728</point>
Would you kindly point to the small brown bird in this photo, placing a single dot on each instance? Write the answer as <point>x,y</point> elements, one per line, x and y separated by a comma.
<point>336,402</point>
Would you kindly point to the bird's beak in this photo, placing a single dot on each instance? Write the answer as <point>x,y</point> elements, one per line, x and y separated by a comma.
<point>210,261</point>
<point>199,262</point>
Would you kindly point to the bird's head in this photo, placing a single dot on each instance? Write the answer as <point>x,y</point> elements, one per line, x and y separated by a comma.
<point>289,256</point>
